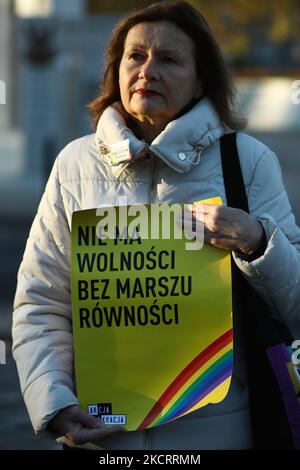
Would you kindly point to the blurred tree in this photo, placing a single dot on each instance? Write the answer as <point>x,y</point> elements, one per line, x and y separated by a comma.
<point>237,24</point>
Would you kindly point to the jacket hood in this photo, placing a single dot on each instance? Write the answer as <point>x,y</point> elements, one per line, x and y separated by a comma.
<point>179,145</point>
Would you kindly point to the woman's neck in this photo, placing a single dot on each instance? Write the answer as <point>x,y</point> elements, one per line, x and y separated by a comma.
<point>145,130</point>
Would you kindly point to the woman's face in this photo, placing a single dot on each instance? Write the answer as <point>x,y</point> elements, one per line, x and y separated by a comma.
<point>157,75</point>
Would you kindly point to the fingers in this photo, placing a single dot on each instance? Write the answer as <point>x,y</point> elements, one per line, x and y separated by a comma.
<point>210,232</point>
<point>79,427</point>
<point>225,244</point>
<point>194,215</point>
<point>190,220</point>
<point>206,208</point>
<point>79,435</point>
<point>218,225</point>
<point>105,431</point>
<point>89,427</point>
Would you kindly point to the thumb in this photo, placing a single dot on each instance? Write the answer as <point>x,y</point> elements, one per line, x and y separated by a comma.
<point>222,243</point>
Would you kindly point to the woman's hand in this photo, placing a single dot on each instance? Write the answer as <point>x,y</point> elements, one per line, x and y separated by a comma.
<point>228,228</point>
<point>79,427</point>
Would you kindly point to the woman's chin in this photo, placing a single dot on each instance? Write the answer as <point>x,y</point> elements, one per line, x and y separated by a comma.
<point>147,112</point>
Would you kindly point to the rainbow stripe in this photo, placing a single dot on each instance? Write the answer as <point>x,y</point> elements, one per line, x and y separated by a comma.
<point>211,368</point>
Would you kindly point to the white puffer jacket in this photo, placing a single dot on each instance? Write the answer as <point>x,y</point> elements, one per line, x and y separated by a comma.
<point>181,165</point>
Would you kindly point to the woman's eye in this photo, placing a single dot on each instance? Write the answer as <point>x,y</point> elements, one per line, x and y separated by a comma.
<point>135,56</point>
<point>167,59</point>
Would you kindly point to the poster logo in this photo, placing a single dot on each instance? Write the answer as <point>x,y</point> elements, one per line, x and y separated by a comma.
<point>113,419</point>
<point>103,411</point>
<point>100,409</point>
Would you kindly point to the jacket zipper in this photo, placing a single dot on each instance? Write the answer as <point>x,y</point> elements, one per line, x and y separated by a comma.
<point>153,184</point>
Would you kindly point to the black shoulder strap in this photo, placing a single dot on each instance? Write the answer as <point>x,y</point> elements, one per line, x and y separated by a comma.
<point>270,425</point>
<point>232,173</point>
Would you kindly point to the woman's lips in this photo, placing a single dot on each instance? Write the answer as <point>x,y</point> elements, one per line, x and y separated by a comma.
<point>145,92</point>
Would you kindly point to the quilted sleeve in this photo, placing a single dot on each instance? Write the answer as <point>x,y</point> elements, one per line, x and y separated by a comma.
<point>275,274</point>
<point>42,332</point>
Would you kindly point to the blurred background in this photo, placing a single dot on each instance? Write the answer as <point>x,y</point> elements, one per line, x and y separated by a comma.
<point>51,57</point>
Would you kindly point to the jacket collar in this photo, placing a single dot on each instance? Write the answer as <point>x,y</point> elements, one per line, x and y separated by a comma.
<point>179,145</point>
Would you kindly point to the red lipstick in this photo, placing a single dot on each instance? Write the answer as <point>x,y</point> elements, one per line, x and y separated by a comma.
<point>146,92</point>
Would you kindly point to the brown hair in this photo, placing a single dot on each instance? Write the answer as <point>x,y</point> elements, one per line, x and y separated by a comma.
<point>216,78</point>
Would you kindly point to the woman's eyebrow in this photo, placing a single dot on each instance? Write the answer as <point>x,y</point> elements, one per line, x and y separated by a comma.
<point>158,50</point>
<point>168,51</point>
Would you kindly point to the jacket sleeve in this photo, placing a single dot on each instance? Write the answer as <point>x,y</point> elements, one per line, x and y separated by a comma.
<point>42,332</point>
<point>275,274</point>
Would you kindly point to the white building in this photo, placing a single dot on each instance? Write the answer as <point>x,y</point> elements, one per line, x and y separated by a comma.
<point>59,66</point>
<point>11,140</point>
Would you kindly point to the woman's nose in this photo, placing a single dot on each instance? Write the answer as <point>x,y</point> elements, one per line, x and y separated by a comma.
<point>149,70</point>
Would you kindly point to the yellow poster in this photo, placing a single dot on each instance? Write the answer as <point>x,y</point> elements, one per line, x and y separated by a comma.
<point>152,319</point>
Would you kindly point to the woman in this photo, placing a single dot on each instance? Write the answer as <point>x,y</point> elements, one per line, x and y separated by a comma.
<point>166,89</point>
